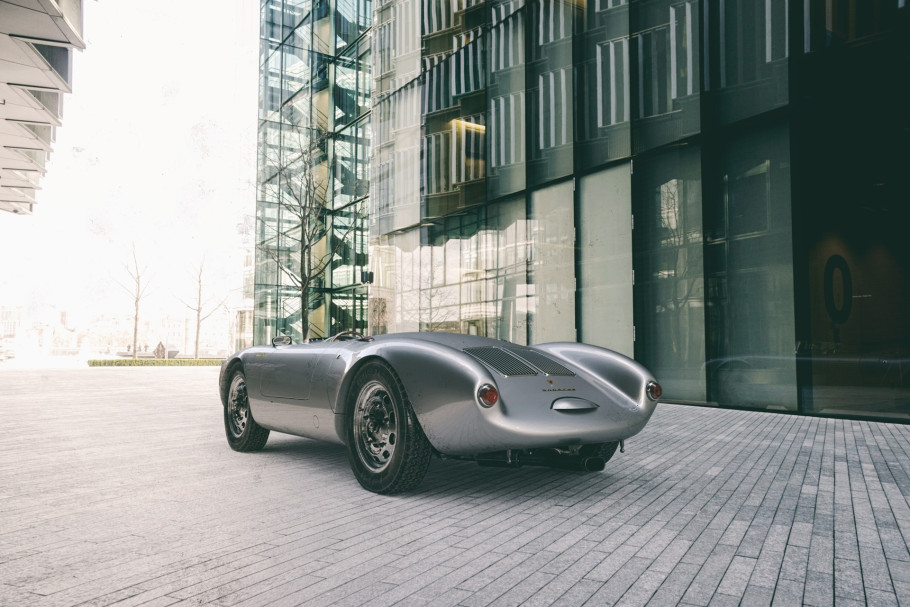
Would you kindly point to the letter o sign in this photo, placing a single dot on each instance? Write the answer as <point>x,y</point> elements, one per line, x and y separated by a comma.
<point>835,264</point>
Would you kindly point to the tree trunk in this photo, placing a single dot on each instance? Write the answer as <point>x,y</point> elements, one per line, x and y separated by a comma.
<point>305,313</point>
<point>305,291</point>
<point>136,328</point>
<point>198,314</point>
<point>198,327</point>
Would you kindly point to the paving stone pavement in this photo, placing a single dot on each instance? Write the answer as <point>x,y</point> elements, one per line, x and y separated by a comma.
<point>118,488</point>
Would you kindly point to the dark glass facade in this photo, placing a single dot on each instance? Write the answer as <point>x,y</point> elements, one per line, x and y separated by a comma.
<point>710,186</point>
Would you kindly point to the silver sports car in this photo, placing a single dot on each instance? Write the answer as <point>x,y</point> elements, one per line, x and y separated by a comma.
<point>397,400</point>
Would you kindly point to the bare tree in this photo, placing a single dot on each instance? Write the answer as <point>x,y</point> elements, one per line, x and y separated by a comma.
<point>680,241</point>
<point>438,305</point>
<point>437,312</point>
<point>137,288</point>
<point>201,304</point>
<point>303,245</point>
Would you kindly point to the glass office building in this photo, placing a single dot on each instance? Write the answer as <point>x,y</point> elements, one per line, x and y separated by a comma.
<point>710,186</point>
<point>313,176</point>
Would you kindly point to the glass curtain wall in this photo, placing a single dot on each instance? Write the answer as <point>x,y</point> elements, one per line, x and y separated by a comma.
<point>665,115</point>
<point>314,146</point>
<point>751,334</point>
<point>851,150</point>
<point>712,187</point>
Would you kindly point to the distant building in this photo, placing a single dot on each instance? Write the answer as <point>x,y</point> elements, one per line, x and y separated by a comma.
<point>716,188</point>
<point>37,40</point>
<point>10,321</point>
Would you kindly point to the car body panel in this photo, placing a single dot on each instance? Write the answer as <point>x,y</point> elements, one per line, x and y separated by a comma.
<point>551,395</point>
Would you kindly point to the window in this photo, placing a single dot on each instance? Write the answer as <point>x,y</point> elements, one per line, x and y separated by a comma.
<point>612,82</point>
<point>507,128</point>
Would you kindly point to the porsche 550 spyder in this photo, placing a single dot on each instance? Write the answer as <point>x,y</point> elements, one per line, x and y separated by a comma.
<point>395,401</point>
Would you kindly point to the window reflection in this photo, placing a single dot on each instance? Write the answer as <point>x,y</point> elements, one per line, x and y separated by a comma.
<point>746,61</point>
<point>749,264</point>
<point>314,146</point>
<point>454,142</point>
<point>351,164</point>
<point>669,271</point>
<point>397,43</point>
<point>296,70</point>
<point>603,72</point>
<point>345,90</point>
<point>547,122</point>
<point>854,341</point>
<point>349,246</point>
<point>294,11</point>
<point>604,253</point>
<point>270,33</point>
<point>612,83</point>
<point>352,81</point>
<point>395,196</point>
<point>270,86</point>
<point>551,98</point>
<point>665,79</point>
<point>551,294</point>
<point>352,18</point>
<point>845,22</point>
<point>507,100</point>
<point>468,275</point>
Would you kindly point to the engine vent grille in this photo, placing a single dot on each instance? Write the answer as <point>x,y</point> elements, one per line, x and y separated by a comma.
<point>542,362</point>
<point>517,361</point>
<point>505,362</point>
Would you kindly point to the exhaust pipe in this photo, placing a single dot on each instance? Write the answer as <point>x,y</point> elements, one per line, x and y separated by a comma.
<point>568,462</point>
<point>548,458</point>
<point>595,464</point>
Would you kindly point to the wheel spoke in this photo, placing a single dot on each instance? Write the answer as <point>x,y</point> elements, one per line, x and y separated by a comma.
<point>387,449</point>
<point>375,426</point>
<point>238,407</point>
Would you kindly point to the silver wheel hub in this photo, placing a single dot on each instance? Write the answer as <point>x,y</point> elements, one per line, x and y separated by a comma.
<point>238,407</point>
<point>375,426</point>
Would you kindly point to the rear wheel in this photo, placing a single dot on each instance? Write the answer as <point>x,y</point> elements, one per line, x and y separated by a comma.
<point>242,431</point>
<point>387,448</point>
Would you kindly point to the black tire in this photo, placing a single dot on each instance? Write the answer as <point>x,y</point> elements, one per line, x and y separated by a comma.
<point>242,431</point>
<point>387,448</point>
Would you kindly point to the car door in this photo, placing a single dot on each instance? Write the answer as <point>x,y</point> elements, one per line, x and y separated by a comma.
<point>286,373</point>
<point>287,401</point>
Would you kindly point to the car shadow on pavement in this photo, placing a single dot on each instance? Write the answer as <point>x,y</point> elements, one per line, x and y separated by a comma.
<point>287,447</point>
<point>445,477</point>
<point>452,478</point>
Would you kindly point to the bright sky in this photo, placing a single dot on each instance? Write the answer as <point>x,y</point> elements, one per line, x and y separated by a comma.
<point>157,148</point>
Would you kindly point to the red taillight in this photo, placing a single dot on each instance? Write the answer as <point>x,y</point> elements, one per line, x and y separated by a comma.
<point>488,395</point>
<point>654,390</point>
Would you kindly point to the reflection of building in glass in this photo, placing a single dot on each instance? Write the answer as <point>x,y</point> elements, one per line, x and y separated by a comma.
<point>667,178</point>
<point>36,45</point>
<point>314,144</point>
<point>241,315</point>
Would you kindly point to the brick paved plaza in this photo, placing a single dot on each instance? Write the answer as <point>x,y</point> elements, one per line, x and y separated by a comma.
<point>117,488</point>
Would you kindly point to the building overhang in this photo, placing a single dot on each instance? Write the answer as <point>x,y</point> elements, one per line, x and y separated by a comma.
<point>37,39</point>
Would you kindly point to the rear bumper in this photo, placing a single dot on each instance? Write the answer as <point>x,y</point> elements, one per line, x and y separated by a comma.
<point>465,429</point>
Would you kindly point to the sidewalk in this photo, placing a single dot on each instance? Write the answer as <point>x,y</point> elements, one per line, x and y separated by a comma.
<point>117,488</point>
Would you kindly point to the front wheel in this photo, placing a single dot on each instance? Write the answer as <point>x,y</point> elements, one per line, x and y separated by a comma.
<point>387,448</point>
<point>242,431</point>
